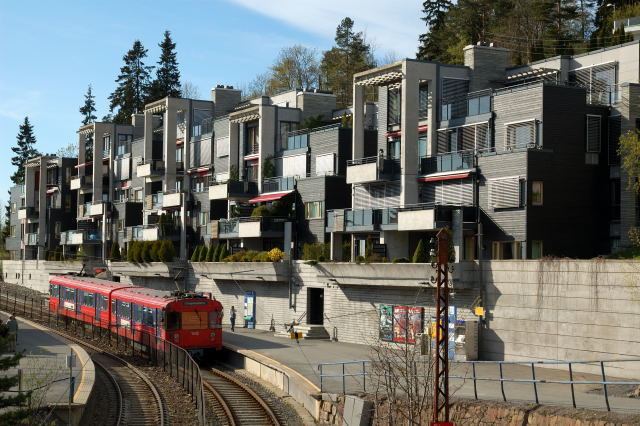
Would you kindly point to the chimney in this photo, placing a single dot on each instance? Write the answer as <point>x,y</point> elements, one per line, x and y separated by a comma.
<point>488,65</point>
<point>224,99</point>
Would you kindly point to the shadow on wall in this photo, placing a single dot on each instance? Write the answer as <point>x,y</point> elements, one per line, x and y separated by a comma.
<point>491,346</point>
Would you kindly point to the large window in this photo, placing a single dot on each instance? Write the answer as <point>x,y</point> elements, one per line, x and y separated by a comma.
<point>393,148</point>
<point>123,146</point>
<point>88,148</point>
<point>423,100</point>
<point>285,128</point>
<point>536,193</point>
<point>522,134</point>
<point>251,139</point>
<point>394,106</point>
<point>314,210</point>
<point>199,183</point>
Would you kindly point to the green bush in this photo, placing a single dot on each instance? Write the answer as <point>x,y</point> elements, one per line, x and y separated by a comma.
<point>131,251</point>
<point>400,260</point>
<point>168,251</point>
<point>161,252</point>
<point>123,253</point>
<point>249,255</point>
<point>216,253</point>
<point>115,252</point>
<point>316,251</point>
<point>224,252</point>
<point>262,256</point>
<point>261,211</point>
<point>211,251</point>
<point>202,256</point>
<point>236,257</point>
<point>145,252</point>
<point>195,256</point>
<point>154,247</point>
<point>420,255</point>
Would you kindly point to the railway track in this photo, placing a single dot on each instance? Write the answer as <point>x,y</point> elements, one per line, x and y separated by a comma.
<point>133,398</point>
<point>233,402</point>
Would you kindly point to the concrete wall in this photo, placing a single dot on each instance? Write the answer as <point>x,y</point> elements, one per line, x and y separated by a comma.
<point>562,310</point>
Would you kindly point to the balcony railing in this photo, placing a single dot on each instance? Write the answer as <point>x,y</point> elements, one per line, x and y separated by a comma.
<point>448,162</point>
<point>363,218</point>
<point>277,184</point>
<point>232,190</point>
<point>153,201</point>
<point>389,216</point>
<point>372,169</point>
<point>228,227</point>
<point>78,182</point>
<point>297,141</point>
<point>470,104</point>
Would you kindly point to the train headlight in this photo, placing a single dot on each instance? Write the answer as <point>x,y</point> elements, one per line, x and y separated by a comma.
<point>176,337</point>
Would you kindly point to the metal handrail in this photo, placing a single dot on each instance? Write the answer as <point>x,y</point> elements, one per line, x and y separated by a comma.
<point>365,160</point>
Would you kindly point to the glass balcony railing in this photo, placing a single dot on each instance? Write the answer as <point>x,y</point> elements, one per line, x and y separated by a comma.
<point>362,218</point>
<point>277,184</point>
<point>389,216</point>
<point>448,162</point>
<point>298,141</point>
<point>156,200</point>
<point>228,226</point>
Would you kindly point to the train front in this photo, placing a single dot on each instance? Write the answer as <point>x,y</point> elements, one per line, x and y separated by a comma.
<point>194,322</point>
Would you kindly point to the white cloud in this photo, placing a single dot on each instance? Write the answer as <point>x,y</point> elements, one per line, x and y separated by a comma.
<point>390,26</point>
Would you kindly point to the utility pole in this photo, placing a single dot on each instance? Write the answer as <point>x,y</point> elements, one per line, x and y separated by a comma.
<point>441,354</point>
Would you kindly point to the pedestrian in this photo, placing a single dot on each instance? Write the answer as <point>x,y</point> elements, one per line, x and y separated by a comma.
<point>12,325</point>
<point>232,318</point>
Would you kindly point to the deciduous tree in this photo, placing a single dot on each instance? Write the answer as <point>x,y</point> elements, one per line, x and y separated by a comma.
<point>295,67</point>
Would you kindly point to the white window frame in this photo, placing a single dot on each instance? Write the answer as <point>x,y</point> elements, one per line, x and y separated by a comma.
<point>319,205</point>
<point>537,133</point>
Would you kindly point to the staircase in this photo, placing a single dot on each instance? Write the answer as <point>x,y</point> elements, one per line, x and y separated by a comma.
<point>310,331</point>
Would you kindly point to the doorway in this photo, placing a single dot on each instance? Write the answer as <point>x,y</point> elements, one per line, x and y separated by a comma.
<point>315,306</point>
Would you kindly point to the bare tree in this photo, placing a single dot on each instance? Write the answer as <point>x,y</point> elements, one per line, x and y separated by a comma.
<point>190,90</point>
<point>70,151</point>
<point>389,57</point>
<point>295,67</point>
<point>257,86</point>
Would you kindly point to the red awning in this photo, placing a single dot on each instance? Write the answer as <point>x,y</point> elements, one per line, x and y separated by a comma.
<point>269,197</point>
<point>445,177</point>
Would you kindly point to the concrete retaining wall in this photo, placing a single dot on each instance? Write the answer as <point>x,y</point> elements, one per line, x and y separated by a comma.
<point>34,274</point>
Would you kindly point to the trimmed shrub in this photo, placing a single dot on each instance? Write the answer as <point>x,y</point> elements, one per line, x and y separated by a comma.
<point>316,251</point>
<point>346,251</point>
<point>154,247</point>
<point>115,252</point>
<point>171,251</point>
<point>224,252</point>
<point>420,255</point>
<point>216,253</point>
<point>161,252</point>
<point>261,211</point>
<point>249,255</point>
<point>145,255</point>
<point>262,256</point>
<point>236,257</point>
<point>203,254</point>
<point>130,253</point>
<point>196,254</point>
<point>274,255</point>
<point>634,236</point>
<point>211,251</point>
<point>167,252</point>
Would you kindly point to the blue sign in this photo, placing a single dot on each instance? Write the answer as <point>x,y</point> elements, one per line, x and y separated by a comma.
<point>453,315</point>
<point>250,309</point>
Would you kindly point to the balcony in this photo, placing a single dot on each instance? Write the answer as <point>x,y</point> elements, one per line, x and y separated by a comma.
<point>298,140</point>
<point>97,209</point>
<point>172,200</point>
<point>362,220</point>
<point>278,184</point>
<point>449,162</point>
<point>157,232</point>
<point>81,182</point>
<point>335,221</point>
<point>151,168</point>
<point>84,210</point>
<point>228,228</point>
<point>153,201</point>
<point>31,239</point>
<point>257,227</point>
<point>233,190</point>
<point>372,169</point>
<point>132,233</point>
<point>28,213</point>
<point>80,237</point>
<point>417,218</point>
<point>389,219</point>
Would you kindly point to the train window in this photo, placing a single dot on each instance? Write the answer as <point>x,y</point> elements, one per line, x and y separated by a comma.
<point>53,290</point>
<point>80,296</point>
<point>137,313</point>
<point>113,306</point>
<point>194,320</point>
<point>69,294</point>
<point>124,310</point>
<point>88,299</point>
<point>147,317</point>
<point>173,320</point>
<point>213,318</point>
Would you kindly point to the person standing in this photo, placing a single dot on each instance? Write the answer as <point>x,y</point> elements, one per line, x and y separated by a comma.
<point>12,325</point>
<point>232,318</point>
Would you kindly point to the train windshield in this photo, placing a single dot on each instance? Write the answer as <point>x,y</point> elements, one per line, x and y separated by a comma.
<point>195,320</point>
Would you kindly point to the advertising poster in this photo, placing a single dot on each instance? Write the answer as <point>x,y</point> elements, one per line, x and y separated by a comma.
<point>386,323</point>
<point>399,324</point>
<point>453,316</point>
<point>414,323</point>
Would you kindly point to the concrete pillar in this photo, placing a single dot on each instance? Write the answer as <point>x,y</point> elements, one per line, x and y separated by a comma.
<point>397,244</point>
<point>358,121</point>
<point>170,134</point>
<point>148,136</point>
<point>456,224</point>
<point>336,246</point>
<point>42,213</point>
<point>409,137</point>
<point>267,137</point>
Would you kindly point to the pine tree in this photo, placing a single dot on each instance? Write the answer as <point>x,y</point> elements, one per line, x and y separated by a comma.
<point>133,84</point>
<point>350,55</point>
<point>203,254</point>
<point>434,12</point>
<point>24,150</point>
<point>167,81</point>
<point>420,255</point>
<point>223,253</point>
<point>89,108</point>
<point>115,252</point>
<point>195,256</point>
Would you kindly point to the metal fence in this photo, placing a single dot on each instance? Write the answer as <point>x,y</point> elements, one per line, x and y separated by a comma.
<point>527,381</point>
<point>173,359</point>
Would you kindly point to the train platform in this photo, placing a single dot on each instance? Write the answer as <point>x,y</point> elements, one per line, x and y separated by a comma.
<point>43,367</point>
<point>305,357</point>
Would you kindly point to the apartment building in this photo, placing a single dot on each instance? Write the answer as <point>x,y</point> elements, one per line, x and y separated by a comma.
<point>513,160</point>
<point>42,209</point>
<point>275,176</point>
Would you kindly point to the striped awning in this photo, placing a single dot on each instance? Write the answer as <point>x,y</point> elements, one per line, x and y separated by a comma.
<point>274,196</point>
<point>441,177</point>
<point>380,77</point>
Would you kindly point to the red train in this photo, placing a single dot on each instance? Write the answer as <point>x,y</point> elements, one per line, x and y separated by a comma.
<point>191,321</point>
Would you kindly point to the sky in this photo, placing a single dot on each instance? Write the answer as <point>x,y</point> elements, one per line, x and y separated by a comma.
<point>50,51</point>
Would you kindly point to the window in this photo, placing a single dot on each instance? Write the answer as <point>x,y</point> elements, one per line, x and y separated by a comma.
<point>200,183</point>
<point>88,148</point>
<point>57,229</point>
<point>536,193</point>
<point>422,145</point>
<point>536,249</point>
<point>477,105</point>
<point>67,202</point>
<point>423,100</point>
<point>173,320</point>
<point>505,192</point>
<point>394,106</point>
<point>393,148</point>
<point>285,128</point>
<point>593,133</point>
<point>14,207</point>
<point>179,154</point>
<point>137,195</point>
<point>521,135</point>
<point>53,290</point>
<point>453,103</point>
<point>106,145</point>
<point>120,224</point>
<point>222,147</point>
<point>89,299</point>
<point>203,218</point>
<point>314,210</point>
<point>124,310</point>
<point>325,164</point>
<point>123,146</point>
<point>251,140</point>
<point>148,317</point>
